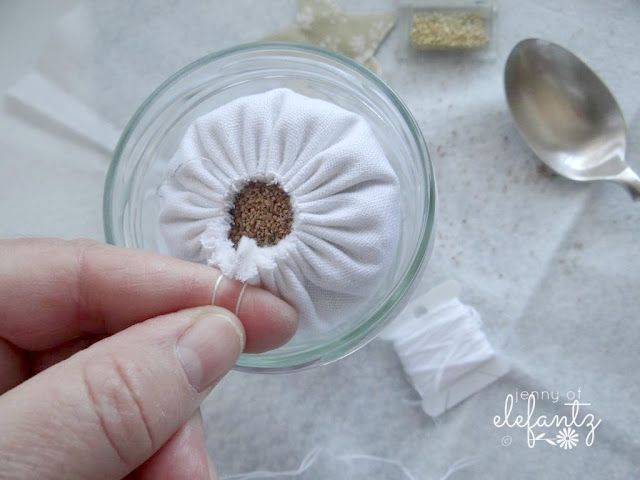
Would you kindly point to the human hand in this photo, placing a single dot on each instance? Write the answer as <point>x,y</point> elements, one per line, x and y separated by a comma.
<point>106,354</point>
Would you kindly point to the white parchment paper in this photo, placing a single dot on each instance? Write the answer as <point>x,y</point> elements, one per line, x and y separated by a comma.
<point>552,266</point>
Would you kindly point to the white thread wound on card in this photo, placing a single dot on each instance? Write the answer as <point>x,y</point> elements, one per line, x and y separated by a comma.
<point>443,349</point>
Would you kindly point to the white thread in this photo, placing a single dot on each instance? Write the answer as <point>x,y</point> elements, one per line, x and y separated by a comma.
<point>244,286</point>
<point>311,458</point>
<point>215,288</point>
<point>448,338</point>
<point>374,458</point>
<point>461,464</point>
<point>307,462</point>
<point>439,346</point>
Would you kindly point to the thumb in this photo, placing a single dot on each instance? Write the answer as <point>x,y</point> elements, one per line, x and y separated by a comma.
<point>105,410</point>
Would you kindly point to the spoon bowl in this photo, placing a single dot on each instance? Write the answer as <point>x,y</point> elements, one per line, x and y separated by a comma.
<point>567,115</point>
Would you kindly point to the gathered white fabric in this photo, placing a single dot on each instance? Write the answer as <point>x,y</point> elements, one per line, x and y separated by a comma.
<point>343,191</point>
<point>443,349</point>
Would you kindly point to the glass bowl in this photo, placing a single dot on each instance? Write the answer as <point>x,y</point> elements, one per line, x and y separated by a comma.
<point>132,202</point>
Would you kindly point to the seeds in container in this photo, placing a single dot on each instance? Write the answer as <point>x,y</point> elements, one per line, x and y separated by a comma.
<point>446,31</point>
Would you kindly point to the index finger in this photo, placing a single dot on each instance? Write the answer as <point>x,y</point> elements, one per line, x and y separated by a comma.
<point>52,291</point>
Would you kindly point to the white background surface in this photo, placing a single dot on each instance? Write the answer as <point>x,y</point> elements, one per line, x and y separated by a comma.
<point>553,267</point>
<point>42,192</point>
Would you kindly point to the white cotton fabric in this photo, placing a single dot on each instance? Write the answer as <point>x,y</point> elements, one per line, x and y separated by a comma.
<point>343,191</point>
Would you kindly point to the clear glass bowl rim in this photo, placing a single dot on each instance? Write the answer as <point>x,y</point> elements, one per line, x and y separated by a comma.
<point>367,330</point>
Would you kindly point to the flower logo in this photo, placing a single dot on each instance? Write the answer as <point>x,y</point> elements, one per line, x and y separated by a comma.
<point>567,438</point>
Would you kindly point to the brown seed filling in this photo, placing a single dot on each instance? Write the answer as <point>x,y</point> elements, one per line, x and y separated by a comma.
<point>261,211</point>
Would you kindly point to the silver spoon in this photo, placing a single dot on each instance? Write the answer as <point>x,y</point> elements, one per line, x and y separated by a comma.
<point>567,114</point>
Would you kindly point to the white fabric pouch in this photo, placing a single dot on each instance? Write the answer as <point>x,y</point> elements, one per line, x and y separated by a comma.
<point>342,188</point>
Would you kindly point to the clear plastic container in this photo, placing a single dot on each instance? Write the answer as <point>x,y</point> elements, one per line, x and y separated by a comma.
<point>132,203</point>
<point>462,27</point>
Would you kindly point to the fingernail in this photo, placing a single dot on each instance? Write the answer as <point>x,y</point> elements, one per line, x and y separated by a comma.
<point>210,347</point>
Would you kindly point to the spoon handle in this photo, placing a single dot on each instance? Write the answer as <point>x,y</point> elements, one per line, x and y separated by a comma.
<point>629,179</point>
